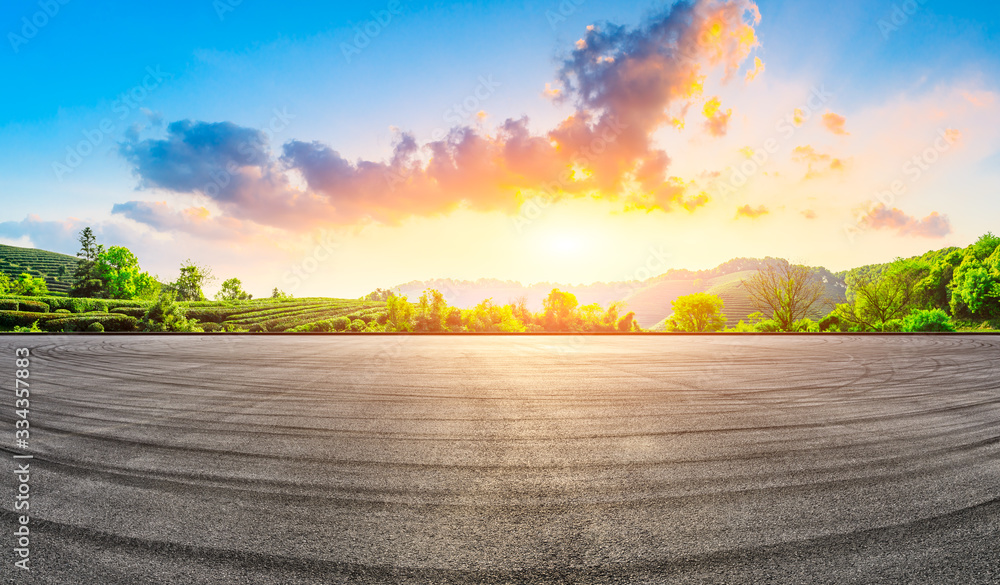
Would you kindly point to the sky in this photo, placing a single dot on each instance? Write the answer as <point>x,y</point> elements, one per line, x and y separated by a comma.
<point>330,148</point>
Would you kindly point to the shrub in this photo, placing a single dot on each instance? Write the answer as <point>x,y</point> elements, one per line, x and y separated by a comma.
<point>340,324</point>
<point>137,312</point>
<point>892,326</point>
<point>830,323</point>
<point>166,315</point>
<point>932,320</point>
<point>95,327</point>
<point>11,319</point>
<point>357,325</point>
<point>63,311</point>
<point>33,329</point>
<point>24,305</point>
<point>108,322</point>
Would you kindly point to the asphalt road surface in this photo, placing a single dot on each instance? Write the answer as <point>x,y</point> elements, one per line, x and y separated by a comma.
<point>371,459</point>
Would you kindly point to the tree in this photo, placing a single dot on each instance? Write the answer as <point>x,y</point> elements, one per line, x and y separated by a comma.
<point>560,311</point>
<point>789,292</point>
<point>188,286</point>
<point>627,323</point>
<point>118,270</point>
<point>28,286</point>
<point>398,314</point>
<point>699,312</point>
<point>232,290</point>
<point>166,315</point>
<point>878,296</point>
<point>378,295</point>
<point>280,294</point>
<point>432,311</point>
<point>975,287</point>
<point>86,280</point>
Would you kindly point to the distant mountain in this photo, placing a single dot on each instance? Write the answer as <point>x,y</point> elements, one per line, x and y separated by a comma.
<point>56,269</point>
<point>650,299</point>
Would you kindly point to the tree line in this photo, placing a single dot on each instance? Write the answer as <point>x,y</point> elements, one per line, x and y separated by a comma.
<point>930,293</point>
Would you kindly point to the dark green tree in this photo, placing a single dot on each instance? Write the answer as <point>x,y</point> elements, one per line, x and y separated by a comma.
<point>87,281</point>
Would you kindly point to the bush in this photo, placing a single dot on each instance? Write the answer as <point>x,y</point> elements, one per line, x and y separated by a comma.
<point>923,321</point>
<point>340,324</point>
<point>62,311</point>
<point>24,305</point>
<point>830,323</point>
<point>108,322</point>
<point>166,315</point>
<point>357,325</point>
<point>137,312</point>
<point>11,319</point>
<point>892,326</point>
<point>33,329</point>
<point>95,327</point>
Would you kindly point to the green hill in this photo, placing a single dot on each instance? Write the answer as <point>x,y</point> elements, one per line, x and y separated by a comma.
<point>56,269</point>
<point>652,304</point>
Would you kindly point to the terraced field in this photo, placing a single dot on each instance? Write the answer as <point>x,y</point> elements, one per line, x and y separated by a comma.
<point>309,314</point>
<point>56,269</point>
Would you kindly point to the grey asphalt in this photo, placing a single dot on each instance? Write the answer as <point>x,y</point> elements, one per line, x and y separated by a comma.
<point>374,459</point>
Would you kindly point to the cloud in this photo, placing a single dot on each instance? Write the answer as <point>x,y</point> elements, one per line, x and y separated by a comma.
<point>819,164</point>
<point>192,220</point>
<point>884,218</point>
<point>835,123</point>
<point>758,68</point>
<point>624,84</point>
<point>57,236</point>
<point>750,212</point>
<point>717,121</point>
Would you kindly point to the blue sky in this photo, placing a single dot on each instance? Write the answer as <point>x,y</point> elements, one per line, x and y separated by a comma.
<point>282,66</point>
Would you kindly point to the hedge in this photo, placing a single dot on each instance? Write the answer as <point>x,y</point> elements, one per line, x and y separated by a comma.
<point>110,322</point>
<point>11,319</point>
<point>27,305</point>
<point>137,312</point>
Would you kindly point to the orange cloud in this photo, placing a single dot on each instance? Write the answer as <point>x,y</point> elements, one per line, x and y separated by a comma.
<point>798,117</point>
<point>934,225</point>
<point>818,163</point>
<point>835,123</point>
<point>750,212</point>
<point>758,68</point>
<point>717,122</point>
<point>624,86</point>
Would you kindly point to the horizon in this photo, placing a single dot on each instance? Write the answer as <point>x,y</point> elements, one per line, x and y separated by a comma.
<point>534,144</point>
